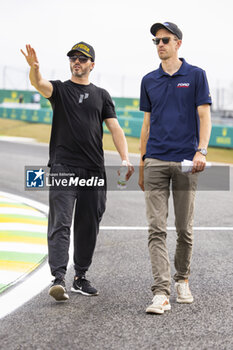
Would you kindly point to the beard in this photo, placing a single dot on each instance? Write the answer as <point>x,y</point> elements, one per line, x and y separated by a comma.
<point>79,73</point>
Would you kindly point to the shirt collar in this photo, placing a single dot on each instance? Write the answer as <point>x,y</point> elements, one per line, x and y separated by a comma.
<point>182,71</point>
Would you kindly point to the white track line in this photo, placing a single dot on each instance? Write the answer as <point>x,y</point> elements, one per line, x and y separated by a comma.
<point>24,248</point>
<point>30,202</point>
<point>23,292</point>
<point>35,282</point>
<point>23,227</point>
<point>17,139</point>
<point>9,276</point>
<point>21,211</point>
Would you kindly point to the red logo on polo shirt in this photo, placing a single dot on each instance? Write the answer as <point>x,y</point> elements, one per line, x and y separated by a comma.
<point>183,85</point>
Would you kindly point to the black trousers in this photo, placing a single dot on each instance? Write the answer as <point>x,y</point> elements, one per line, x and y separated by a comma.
<point>86,206</point>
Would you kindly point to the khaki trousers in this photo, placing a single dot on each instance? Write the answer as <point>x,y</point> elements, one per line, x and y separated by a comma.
<point>159,176</point>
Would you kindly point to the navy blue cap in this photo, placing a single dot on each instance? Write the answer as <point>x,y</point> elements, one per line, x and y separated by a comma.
<point>172,27</point>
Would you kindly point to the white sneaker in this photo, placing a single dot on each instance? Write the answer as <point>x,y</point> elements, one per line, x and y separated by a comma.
<point>160,304</point>
<point>184,294</point>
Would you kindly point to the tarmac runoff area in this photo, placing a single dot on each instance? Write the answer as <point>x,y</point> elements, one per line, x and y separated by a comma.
<point>24,271</point>
<point>23,238</point>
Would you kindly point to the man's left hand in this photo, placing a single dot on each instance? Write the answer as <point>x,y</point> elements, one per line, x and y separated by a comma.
<point>199,163</point>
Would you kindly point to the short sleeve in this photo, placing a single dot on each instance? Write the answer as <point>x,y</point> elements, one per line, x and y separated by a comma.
<point>56,84</point>
<point>108,110</point>
<point>202,89</point>
<point>145,104</point>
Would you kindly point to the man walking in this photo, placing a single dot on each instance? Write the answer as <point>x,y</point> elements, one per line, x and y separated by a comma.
<point>176,126</point>
<point>79,109</point>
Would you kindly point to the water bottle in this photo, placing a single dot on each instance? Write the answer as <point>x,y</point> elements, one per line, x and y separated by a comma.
<point>187,166</point>
<point>121,183</point>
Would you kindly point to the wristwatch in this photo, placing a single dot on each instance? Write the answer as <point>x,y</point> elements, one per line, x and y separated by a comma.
<point>203,151</point>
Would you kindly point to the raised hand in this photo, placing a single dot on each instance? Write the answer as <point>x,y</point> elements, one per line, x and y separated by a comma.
<point>31,57</point>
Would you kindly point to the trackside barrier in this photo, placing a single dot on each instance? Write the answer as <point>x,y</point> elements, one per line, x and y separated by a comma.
<point>42,115</point>
<point>126,103</point>
<point>132,127</point>
<point>130,120</point>
<point>221,136</point>
<point>126,113</point>
<point>26,96</point>
<point>23,96</point>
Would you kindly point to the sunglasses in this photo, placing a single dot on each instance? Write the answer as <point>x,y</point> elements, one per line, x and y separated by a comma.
<point>82,59</point>
<point>165,40</point>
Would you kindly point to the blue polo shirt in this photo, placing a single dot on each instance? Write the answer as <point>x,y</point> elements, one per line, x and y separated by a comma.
<point>172,102</point>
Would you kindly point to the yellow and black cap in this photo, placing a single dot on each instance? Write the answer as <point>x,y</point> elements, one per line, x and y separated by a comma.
<point>172,27</point>
<point>85,48</point>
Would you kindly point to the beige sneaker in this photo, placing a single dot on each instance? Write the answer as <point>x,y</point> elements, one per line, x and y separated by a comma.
<point>160,303</point>
<point>184,294</point>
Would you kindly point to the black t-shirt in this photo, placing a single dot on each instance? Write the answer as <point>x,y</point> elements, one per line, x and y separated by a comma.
<point>77,128</point>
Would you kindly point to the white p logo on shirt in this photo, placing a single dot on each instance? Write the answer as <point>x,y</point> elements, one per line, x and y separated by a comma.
<point>83,97</point>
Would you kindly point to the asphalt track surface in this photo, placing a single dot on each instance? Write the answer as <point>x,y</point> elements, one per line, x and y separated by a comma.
<point>116,319</point>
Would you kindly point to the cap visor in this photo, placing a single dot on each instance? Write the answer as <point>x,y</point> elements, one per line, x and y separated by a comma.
<point>71,52</point>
